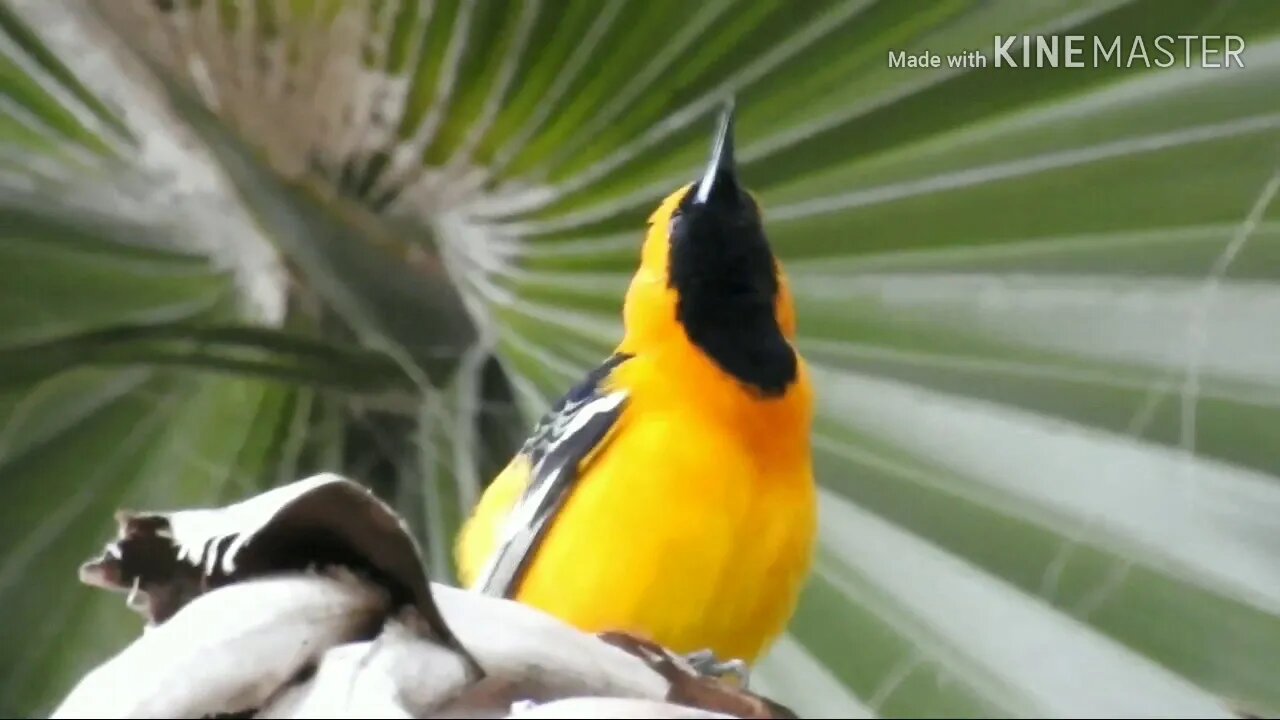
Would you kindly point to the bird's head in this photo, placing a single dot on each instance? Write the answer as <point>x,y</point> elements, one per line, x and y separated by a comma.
<point>707,264</point>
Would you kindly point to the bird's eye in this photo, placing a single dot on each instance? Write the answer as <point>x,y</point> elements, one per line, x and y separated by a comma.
<point>676,219</point>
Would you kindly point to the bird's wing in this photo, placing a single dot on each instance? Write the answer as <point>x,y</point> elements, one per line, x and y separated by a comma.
<point>569,433</point>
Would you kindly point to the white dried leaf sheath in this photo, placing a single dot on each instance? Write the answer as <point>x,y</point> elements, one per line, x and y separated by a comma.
<point>540,653</point>
<point>198,533</point>
<point>227,650</point>
<point>609,707</point>
<point>242,647</point>
<point>400,674</point>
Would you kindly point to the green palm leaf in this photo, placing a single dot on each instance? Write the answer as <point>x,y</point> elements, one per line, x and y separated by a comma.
<point>259,239</point>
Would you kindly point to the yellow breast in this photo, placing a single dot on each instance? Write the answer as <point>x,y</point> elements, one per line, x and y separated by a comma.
<point>694,527</point>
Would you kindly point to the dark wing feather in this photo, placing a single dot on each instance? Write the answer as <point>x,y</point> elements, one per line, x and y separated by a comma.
<point>567,434</point>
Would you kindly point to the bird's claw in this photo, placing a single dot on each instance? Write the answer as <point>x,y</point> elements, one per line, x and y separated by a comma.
<point>706,664</point>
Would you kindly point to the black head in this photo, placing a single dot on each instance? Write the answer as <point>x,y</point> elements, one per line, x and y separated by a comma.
<point>726,277</point>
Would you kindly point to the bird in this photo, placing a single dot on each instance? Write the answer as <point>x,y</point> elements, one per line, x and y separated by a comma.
<point>670,493</point>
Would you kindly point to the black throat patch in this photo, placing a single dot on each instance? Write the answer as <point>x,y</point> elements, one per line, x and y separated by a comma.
<point>722,269</point>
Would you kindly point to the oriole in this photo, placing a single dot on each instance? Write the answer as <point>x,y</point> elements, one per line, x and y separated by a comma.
<point>670,494</point>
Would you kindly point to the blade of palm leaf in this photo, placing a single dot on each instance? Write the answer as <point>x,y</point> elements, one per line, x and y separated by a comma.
<point>970,387</point>
<point>1210,542</point>
<point>1197,331</point>
<point>468,394</point>
<point>54,406</point>
<point>300,429</point>
<point>1155,102</point>
<point>878,87</point>
<point>40,105</point>
<point>426,72</point>
<point>533,402</point>
<point>410,24</point>
<point>22,127</point>
<point>17,128</point>
<point>626,48</point>
<point>1220,388</point>
<point>554,39</point>
<point>270,448</point>
<point>967,178</point>
<point>249,413</point>
<point>1100,345</point>
<point>683,37</point>
<point>846,355</point>
<point>885,639</point>
<point>678,119</point>
<point>1065,200</point>
<point>952,513</point>
<point>247,350</point>
<point>330,451</point>
<point>600,329</point>
<point>499,91</point>
<point>52,107</point>
<point>1029,166</point>
<point>603,246</point>
<point>477,35</point>
<point>183,463</point>
<point>836,56</point>
<point>34,320</point>
<point>439,504</point>
<point>51,66</point>
<point>406,163</point>
<point>930,588</point>
<point>591,292</point>
<point>899,122</point>
<point>1238,429</point>
<point>1191,248</point>
<point>1136,322</point>
<point>702,73</point>
<point>564,78</point>
<point>19,557</point>
<point>446,461</point>
<point>535,376</point>
<point>790,671</point>
<point>563,373</point>
<point>950,33</point>
<point>61,237</point>
<point>1138,422</point>
<point>443,176</point>
<point>631,199</point>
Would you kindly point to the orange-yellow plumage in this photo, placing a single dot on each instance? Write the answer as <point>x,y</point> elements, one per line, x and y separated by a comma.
<point>694,523</point>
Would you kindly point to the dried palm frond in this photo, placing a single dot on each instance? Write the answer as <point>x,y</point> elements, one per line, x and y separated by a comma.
<point>310,600</point>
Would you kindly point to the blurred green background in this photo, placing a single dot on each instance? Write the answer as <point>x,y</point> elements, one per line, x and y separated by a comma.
<point>246,241</point>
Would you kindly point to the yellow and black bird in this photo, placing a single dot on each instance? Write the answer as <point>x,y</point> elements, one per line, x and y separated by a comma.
<point>670,494</point>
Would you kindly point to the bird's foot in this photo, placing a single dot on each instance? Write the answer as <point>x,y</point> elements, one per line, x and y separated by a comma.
<point>698,679</point>
<point>708,665</point>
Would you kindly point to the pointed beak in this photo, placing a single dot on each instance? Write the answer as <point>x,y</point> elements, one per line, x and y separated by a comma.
<point>720,180</point>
